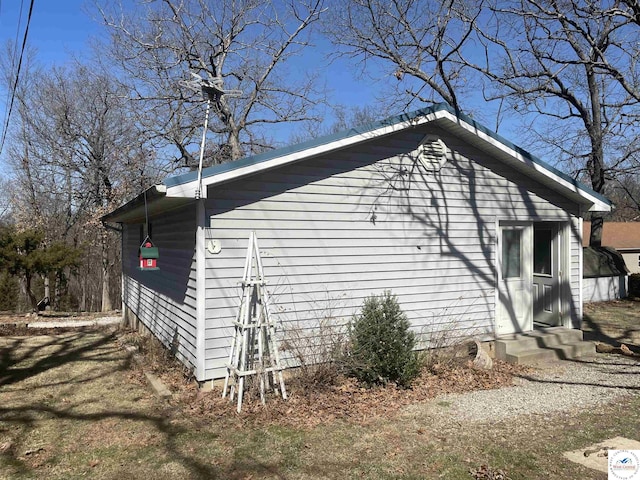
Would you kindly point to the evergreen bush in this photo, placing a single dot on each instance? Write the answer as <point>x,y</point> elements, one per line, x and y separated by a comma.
<point>381,343</point>
<point>9,292</point>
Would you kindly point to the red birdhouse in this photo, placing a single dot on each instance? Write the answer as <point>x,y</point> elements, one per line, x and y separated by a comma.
<point>148,256</point>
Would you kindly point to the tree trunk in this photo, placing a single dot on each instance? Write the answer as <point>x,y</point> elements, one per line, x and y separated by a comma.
<point>235,145</point>
<point>597,223</point>
<point>32,297</point>
<point>83,295</point>
<point>595,164</point>
<point>47,290</point>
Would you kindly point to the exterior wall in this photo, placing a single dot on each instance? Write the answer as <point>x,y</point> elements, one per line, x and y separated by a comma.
<point>339,228</point>
<point>631,260</point>
<point>164,300</point>
<point>602,289</point>
<point>574,309</point>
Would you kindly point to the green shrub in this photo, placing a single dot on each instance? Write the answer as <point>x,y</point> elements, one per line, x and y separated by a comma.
<point>382,344</point>
<point>634,285</point>
<point>9,292</point>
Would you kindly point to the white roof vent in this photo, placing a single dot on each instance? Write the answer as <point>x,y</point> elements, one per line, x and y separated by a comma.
<point>432,153</point>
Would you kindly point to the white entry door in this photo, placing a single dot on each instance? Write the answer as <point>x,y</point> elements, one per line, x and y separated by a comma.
<point>514,312</point>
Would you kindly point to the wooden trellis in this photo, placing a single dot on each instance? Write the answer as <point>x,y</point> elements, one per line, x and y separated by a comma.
<point>254,350</point>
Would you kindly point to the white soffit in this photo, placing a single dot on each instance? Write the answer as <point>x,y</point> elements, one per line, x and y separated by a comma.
<point>598,205</point>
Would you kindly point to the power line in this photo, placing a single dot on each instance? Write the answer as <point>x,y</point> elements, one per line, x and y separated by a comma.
<point>15,83</point>
<point>14,59</point>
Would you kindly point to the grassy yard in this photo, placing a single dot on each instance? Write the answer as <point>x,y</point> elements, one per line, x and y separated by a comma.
<point>73,406</point>
<point>613,322</point>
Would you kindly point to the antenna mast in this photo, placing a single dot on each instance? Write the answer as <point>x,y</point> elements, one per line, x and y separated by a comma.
<point>211,90</point>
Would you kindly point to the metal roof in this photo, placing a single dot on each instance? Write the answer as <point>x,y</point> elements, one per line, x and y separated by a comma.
<point>184,186</point>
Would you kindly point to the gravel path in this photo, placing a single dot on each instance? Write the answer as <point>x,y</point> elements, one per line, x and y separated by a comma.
<point>562,387</point>
<point>70,323</point>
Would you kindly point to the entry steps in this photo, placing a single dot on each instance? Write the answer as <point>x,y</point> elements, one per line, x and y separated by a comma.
<point>543,345</point>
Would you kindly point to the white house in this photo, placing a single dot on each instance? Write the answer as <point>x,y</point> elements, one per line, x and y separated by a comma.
<point>470,232</point>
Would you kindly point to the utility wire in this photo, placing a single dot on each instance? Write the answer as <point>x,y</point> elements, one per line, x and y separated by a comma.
<point>15,83</point>
<point>14,59</point>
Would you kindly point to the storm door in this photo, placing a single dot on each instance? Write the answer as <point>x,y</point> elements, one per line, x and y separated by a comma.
<point>515,258</point>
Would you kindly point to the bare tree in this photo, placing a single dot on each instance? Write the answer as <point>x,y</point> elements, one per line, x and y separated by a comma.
<point>419,42</point>
<point>240,45</point>
<point>76,152</point>
<point>343,118</point>
<point>573,65</point>
<point>633,10</point>
<point>5,203</point>
<point>625,194</point>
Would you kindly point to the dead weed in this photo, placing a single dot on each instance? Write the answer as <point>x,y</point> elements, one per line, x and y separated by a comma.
<point>307,407</point>
<point>347,400</point>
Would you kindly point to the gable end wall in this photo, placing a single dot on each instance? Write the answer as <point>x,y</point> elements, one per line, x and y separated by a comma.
<point>336,229</point>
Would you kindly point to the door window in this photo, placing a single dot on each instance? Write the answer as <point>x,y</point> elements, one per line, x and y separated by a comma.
<point>511,255</point>
<point>542,241</point>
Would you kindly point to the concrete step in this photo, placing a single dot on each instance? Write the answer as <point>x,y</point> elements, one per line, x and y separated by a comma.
<point>543,355</point>
<point>543,345</point>
<point>548,337</point>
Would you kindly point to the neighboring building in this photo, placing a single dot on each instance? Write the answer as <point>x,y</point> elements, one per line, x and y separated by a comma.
<point>606,268</point>
<point>624,237</point>
<point>472,233</point>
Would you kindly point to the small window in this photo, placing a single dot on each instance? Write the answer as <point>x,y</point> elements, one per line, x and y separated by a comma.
<point>511,255</point>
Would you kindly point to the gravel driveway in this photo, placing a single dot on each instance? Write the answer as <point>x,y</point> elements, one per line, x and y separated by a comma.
<point>564,386</point>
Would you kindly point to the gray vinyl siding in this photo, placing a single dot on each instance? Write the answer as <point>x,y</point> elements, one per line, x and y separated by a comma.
<point>165,300</point>
<point>338,228</point>
<point>575,306</point>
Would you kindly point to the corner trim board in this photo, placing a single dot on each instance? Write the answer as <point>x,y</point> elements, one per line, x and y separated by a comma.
<point>200,258</point>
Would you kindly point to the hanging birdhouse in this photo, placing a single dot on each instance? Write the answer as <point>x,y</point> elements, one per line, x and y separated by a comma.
<point>148,255</point>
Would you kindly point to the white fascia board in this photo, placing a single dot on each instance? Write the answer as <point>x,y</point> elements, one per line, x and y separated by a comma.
<point>597,204</point>
<point>188,189</point>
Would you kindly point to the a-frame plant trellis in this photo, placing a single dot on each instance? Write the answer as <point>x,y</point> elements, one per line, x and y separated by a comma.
<point>254,349</point>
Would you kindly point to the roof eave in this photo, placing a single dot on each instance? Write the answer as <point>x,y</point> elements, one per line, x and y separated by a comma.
<point>186,185</point>
<point>132,208</point>
<point>252,165</point>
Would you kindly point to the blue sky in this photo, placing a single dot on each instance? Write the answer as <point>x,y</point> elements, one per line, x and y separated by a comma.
<point>60,29</point>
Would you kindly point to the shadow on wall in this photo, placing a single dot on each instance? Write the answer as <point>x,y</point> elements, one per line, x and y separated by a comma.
<point>472,188</point>
<point>603,289</point>
<point>174,235</point>
<point>438,225</point>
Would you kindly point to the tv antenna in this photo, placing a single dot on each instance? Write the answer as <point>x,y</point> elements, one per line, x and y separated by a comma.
<point>211,89</point>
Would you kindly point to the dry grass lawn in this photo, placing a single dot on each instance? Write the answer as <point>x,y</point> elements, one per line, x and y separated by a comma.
<point>613,322</point>
<point>73,406</point>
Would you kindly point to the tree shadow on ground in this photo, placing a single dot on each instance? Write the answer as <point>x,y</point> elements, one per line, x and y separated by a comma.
<point>593,331</point>
<point>23,358</point>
